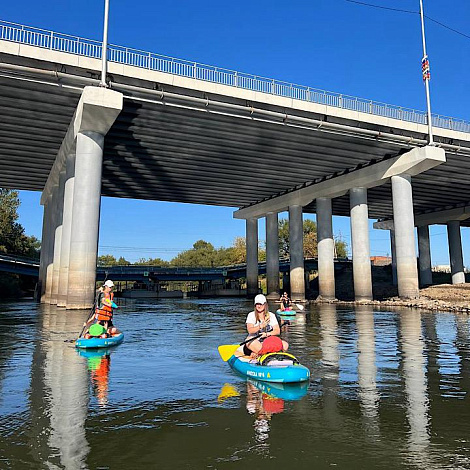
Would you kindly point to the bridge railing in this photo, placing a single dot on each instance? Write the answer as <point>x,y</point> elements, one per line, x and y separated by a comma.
<point>160,63</point>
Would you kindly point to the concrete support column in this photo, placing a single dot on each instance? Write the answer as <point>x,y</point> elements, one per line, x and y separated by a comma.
<point>44,254</point>
<point>251,257</point>
<point>424,248</point>
<point>360,244</point>
<point>394,258</point>
<point>403,219</point>
<point>326,249</point>
<point>59,207</point>
<point>50,240</point>
<point>85,220</point>
<point>455,252</point>
<point>272,255</point>
<point>296,249</point>
<point>66,231</point>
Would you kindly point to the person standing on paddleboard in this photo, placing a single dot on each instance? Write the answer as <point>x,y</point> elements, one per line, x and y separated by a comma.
<point>105,308</point>
<point>262,322</point>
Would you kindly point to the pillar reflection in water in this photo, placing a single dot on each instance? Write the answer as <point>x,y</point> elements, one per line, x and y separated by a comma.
<point>60,392</point>
<point>366,366</point>
<point>417,412</point>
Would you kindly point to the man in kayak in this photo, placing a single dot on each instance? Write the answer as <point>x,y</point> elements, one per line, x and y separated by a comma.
<point>261,322</point>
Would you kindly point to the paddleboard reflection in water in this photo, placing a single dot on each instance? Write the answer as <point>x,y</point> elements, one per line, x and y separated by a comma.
<point>99,365</point>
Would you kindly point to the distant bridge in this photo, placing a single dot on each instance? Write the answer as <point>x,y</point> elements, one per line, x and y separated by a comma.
<point>142,273</point>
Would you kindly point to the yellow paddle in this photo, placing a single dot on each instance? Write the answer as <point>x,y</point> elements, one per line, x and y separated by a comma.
<point>226,351</point>
<point>227,391</point>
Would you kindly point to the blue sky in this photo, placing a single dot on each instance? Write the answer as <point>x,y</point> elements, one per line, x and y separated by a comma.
<point>334,45</point>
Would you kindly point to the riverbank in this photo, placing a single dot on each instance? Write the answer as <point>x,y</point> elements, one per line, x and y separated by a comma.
<point>442,297</point>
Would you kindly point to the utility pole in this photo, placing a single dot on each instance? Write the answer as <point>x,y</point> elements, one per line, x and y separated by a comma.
<point>104,47</point>
<point>426,74</point>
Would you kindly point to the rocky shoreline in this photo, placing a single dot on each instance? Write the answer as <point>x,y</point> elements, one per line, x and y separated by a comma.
<point>441,298</point>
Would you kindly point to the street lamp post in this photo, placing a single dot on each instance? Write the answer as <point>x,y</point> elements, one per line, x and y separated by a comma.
<point>426,74</point>
<point>104,47</point>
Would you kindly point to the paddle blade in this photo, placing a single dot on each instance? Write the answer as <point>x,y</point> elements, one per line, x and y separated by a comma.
<point>300,306</point>
<point>227,391</point>
<point>226,351</point>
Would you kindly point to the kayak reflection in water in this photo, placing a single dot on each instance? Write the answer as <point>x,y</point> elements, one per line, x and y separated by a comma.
<point>263,406</point>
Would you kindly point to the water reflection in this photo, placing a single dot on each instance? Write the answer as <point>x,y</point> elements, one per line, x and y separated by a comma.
<point>414,372</point>
<point>99,365</point>
<point>366,367</point>
<point>388,390</point>
<point>59,394</point>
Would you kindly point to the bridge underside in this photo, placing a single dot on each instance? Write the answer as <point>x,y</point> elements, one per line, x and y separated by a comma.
<point>209,150</point>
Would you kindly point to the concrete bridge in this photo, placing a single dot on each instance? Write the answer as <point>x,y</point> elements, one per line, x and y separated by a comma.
<point>173,130</point>
<point>30,267</point>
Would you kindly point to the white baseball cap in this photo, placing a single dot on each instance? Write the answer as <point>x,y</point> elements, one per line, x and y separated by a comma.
<point>109,283</point>
<point>260,299</point>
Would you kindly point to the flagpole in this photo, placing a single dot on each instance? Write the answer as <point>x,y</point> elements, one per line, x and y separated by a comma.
<point>104,47</point>
<point>426,76</point>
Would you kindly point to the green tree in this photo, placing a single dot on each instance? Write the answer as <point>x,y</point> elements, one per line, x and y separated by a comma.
<point>12,237</point>
<point>106,260</point>
<point>151,262</point>
<point>200,255</point>
<point>310,240</point>
<point>122,262</point>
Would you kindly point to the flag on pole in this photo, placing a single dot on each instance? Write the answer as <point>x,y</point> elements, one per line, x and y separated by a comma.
<point>425,68</point>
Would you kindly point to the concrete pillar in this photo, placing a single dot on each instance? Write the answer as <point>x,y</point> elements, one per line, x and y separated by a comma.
<point>52,224</point>
<point>296,249</point>
<point>394,258</point>
<point>59,207</point>
<point>66,231</point>
<point>251,257</point>
<point>272,255</point>
<point>424,248</point>
<point>403,220</point>
<point>326,249</point>
<point>360,244</point>
<point>85,220</point>
<point>44,254</point>
<point>455,252</point>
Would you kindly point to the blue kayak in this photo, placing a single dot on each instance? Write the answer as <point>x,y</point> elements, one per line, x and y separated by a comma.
<point>271,373</point>
<point>94,343</point>
<point>286,313</point>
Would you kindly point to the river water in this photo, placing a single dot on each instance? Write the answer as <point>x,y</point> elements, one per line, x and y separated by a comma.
<point>388,390</point>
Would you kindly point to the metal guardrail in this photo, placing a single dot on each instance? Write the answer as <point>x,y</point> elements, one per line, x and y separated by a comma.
<point>160,63</point>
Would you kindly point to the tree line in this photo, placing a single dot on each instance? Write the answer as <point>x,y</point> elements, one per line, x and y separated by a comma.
<point>204,254</point>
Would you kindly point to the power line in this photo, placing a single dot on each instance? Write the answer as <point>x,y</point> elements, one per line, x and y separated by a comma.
<point>409,11</point>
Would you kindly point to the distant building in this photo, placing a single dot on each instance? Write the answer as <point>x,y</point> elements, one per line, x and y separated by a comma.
<point>380,260</point>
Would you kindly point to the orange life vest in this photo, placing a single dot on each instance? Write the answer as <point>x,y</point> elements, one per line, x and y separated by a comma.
<point>104,312</point>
